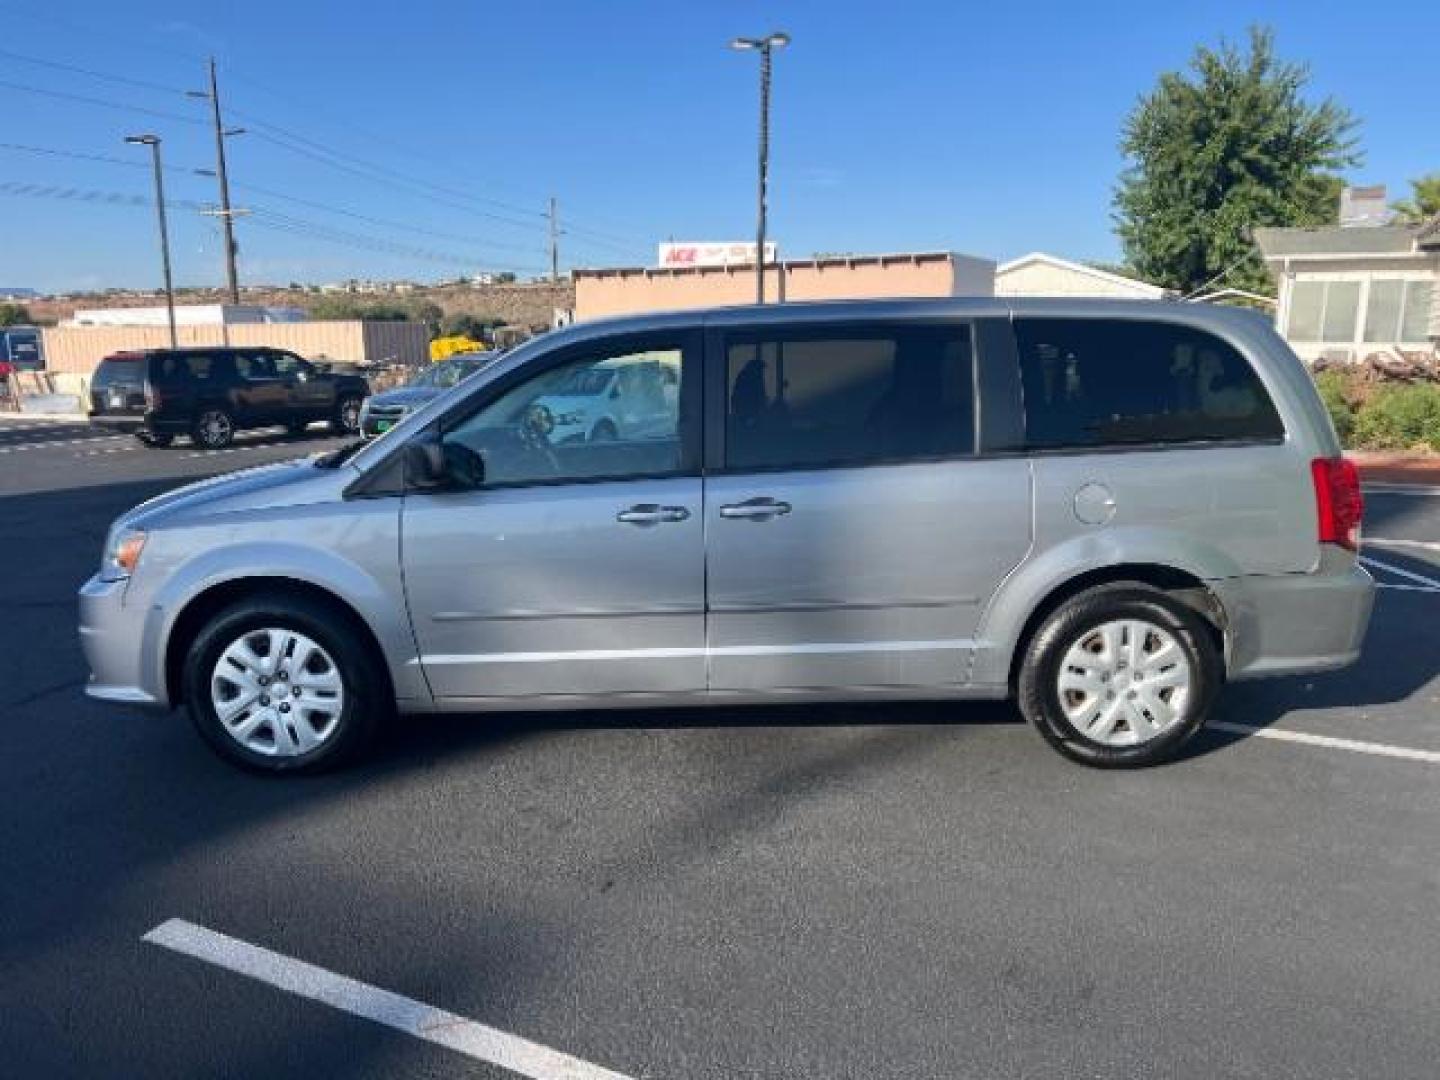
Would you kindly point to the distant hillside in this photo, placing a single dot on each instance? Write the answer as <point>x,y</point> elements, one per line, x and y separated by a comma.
<point>531,305</point>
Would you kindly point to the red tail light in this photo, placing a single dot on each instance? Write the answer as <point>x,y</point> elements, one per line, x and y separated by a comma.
<point>1338,501</point>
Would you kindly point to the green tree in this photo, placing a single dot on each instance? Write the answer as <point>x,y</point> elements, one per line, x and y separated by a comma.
<point>14,315</point>
<point>1424,201</point>
<point>1219,150</point>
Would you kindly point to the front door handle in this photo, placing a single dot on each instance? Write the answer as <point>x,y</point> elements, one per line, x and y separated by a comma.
<point>759,509</point>
<point>651,514</point>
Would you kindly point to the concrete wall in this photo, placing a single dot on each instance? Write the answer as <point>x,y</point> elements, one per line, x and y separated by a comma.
<point>600,293</point>
<point>79,349</point>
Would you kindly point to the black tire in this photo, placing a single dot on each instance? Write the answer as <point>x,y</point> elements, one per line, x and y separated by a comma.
<point>155,440</point>
<point>346,420</point>
<point>367,697</point>
<point>604,432</point>
<point>1038,690</point>
<point>214,428</point>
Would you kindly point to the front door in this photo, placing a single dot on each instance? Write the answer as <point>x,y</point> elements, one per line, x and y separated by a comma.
<point>307,394</point>
<point>552,565</point>
<point>854,536</point>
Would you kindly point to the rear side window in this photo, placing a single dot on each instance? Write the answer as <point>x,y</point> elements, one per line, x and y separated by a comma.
<point>848,396</point>
<point>119,371</point>
<point>180,369</point>
<point>1112,382</point>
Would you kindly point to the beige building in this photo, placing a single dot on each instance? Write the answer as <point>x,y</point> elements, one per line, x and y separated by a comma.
<point>78,349</point>
<point>1039,274</point>
<point>599,293</point>
<point>1348,292</point>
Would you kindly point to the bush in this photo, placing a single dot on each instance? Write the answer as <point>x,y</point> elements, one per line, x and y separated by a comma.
<point>1334,390</point>
<point>1400,418</point>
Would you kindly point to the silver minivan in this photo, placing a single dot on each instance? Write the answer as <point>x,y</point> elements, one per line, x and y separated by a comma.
<point>1105,510</point>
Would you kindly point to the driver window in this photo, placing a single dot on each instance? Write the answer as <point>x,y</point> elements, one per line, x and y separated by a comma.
<point>589,419</point>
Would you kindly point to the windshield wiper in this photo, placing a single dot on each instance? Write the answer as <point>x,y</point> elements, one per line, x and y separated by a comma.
<point>340,455</point>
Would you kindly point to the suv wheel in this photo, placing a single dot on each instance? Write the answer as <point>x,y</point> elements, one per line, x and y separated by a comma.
<point>347,416</point>
<point>1120,676</point>
<point>604,432</point>
<point>277,685</point>
<point>155,439</point>
<point>213,429</point>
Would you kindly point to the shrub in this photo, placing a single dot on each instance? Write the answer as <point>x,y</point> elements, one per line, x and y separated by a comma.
<point>1334,391</point>
<point>1400,418</point>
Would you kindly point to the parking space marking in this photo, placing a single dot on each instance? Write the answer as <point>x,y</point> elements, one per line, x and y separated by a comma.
<point>1355,746</point>
<point>1400,571</point>
<point>1419,545</point>
<point>404,1014</point>
<point>11,448</point>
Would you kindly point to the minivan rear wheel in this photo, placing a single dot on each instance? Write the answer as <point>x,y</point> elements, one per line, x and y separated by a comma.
<point>1120,676</point>
<point>276,684</point>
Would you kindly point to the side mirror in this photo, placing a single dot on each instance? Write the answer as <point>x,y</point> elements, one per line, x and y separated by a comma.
<point>425,462</point>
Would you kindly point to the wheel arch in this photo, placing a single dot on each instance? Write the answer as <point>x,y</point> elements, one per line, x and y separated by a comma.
<point>1179,584</point>
<point>201,607</point>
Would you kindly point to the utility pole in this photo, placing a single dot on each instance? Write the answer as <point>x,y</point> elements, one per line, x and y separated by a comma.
<point>153,141</point>
<point>226,214</point>
<point>765,46</point>
<point>554,243</point>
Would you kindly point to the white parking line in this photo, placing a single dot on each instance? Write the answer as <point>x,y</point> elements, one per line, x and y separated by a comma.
<point>11,448</point>
<point>1400,571</point>
<point>1429,757</point>
<point>1419,545</point>
<point>1399,489</point>
<point>383,1007</point>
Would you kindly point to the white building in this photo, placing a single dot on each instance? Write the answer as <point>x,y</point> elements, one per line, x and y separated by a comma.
<point>187,315</point>
<point>1039,274</point>
<point>1348,292</point>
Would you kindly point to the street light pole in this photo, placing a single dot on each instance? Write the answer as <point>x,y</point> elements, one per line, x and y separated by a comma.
<point>153,141</point>
<point>765,46</point>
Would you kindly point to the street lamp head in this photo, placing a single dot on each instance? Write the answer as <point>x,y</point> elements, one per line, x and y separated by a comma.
<point>777,40</point>
<point>143,140</point>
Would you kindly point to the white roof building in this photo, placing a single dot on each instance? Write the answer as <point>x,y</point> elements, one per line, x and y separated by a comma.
<point>1039,274</point>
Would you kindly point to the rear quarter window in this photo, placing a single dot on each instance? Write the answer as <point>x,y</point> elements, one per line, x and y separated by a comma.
<point>1114,382</point>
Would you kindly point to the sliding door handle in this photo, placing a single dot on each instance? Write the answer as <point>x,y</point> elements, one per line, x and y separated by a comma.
<point>652,514</point>
<point>759,509</point>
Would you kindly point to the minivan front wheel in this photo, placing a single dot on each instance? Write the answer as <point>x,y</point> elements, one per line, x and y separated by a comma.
<point>1120,676</point>
<point>213,429</point>
<point>277,685</point>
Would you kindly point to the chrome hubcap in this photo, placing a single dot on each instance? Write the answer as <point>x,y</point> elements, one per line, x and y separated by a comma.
<point>277,692</point>
<point>214,427</point>
<point>1125,683</point>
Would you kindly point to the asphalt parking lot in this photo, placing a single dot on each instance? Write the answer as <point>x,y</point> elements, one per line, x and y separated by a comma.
<point>917,891</point>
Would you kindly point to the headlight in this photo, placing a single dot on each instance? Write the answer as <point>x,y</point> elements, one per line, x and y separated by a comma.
<point>122,554</point>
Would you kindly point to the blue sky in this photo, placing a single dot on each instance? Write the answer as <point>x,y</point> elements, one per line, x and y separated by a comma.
<point>988,129</point>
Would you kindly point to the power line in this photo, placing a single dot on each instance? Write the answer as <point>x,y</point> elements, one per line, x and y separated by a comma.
<point>265,218</point>
<point>100,103</point>
<point>123,80</point>
<point>328,208</point>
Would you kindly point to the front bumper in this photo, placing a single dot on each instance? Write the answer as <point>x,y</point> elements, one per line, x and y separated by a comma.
<point>1287,624</point>
<point>112,636</point>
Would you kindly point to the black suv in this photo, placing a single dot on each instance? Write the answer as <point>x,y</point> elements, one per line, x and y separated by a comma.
<point>210,393</point>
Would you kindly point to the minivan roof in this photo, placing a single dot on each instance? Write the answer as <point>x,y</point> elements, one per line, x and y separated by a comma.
<point>1193,313</point>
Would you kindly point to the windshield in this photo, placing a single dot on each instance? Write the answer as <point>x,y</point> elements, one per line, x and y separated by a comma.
<point>584,382</point>
<point>446,374</point>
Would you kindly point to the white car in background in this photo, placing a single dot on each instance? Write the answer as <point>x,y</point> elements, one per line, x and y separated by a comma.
<point>632,397</point>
